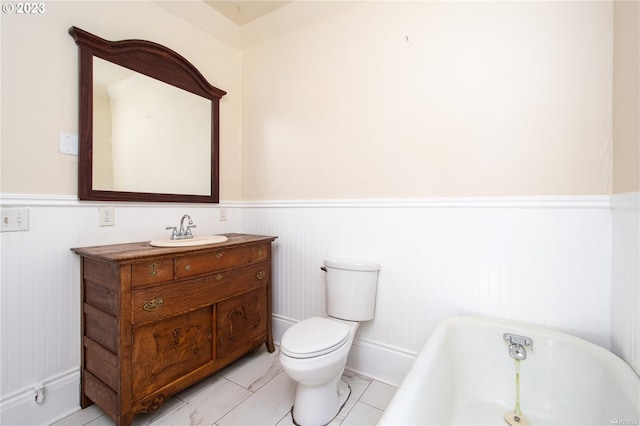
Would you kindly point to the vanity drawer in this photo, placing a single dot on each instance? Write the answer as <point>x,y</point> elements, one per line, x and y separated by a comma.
<point>152,272</point>
<point>167,300</point>
<point>260,252</point>
<point>189,266</point>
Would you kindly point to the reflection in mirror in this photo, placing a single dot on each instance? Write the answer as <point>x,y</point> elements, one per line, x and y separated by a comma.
<point>148,136</point>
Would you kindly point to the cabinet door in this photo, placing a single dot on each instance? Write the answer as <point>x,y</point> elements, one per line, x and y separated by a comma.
<point>167,350</point>
<point>242,323</point>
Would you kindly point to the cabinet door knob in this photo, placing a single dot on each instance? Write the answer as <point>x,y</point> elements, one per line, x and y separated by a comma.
<point>152,305</point>
<point>218,255</point>
<point>260,275</point>
<point>219,277</point>
<point>187,267</point>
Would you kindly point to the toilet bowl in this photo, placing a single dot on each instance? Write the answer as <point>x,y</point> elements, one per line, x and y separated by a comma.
<point>320,392</point>
<point>314,351</point>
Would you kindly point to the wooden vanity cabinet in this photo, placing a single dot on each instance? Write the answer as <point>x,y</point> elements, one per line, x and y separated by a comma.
<point>157,320</point>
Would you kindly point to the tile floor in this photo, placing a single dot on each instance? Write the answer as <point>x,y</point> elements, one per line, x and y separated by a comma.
<point>253,391</point>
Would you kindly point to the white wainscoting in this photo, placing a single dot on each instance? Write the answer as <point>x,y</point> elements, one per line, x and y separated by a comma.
<point>543,260</point>
<point>625,288</point>
<point>40,292</point>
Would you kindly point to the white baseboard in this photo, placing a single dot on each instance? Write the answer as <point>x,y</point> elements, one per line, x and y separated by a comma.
<point>384,363</point>
<point>372,359</point>
<point>280,325</point>
<point>61,397</point>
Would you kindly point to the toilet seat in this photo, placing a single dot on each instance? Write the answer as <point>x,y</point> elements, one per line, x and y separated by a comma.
<point>313,337</point>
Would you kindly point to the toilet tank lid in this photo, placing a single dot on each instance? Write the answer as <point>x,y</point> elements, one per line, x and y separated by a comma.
<point>351,264</point>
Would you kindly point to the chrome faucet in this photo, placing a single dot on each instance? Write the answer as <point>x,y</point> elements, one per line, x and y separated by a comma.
<point>518,345</point>
<point>183,233</point>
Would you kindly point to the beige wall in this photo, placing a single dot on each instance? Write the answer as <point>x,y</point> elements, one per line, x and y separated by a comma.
<point>381,99</point>
<point>415,99</point>
<point>626,97</point>
<point>40,86</point>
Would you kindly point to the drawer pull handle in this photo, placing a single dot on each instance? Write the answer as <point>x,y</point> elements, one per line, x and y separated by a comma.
<point>187,267</point>
<point>218,255</point>
<point>260,275</point>
<point>219,277</point>
<point>153,269</point>
<point>152,305</point>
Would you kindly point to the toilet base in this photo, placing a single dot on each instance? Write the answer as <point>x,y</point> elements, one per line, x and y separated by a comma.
<point>319,405</point>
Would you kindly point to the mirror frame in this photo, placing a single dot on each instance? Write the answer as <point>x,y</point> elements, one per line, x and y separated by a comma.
<point>155,61</point>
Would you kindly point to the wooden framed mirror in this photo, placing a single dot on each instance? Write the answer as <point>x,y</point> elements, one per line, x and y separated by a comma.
<point>148,124</point>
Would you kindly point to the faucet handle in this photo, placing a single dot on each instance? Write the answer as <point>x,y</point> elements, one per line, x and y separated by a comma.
<point>174,233</point>
<point>519,340</point>
<point>188,233</point>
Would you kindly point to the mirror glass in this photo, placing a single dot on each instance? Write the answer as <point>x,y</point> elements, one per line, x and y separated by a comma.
<point>148,136</point>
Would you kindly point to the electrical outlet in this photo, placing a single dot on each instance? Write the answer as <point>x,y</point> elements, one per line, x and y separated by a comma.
<point>14,219</point>
<point>107,216</point>
<point>222,214</point>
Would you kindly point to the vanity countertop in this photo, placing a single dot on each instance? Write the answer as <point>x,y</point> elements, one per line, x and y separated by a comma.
<point>133,252</point>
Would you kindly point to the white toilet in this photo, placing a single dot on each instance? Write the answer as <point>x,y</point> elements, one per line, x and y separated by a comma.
<point>314,351</point>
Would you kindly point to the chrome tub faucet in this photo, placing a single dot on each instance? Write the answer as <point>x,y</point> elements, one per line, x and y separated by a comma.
<point>518,345</point>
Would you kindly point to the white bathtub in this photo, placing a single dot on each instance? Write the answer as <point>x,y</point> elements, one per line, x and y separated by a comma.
<point>464,375</point>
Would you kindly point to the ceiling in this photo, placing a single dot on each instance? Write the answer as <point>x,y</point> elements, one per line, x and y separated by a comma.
<point>243,11</point>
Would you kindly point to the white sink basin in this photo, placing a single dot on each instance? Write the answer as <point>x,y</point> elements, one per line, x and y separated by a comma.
<point>195,241</point>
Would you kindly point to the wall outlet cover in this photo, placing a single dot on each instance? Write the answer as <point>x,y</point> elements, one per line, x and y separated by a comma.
<point>107,216</point>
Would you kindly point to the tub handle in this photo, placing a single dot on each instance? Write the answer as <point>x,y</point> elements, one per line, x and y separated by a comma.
<point>518,340</point>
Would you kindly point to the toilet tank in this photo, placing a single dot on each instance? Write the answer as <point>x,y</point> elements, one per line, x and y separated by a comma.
<point>351,288</point>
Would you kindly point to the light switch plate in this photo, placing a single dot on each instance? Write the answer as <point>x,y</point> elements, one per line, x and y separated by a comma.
<point>14,219</point>
<point>68,144</point>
